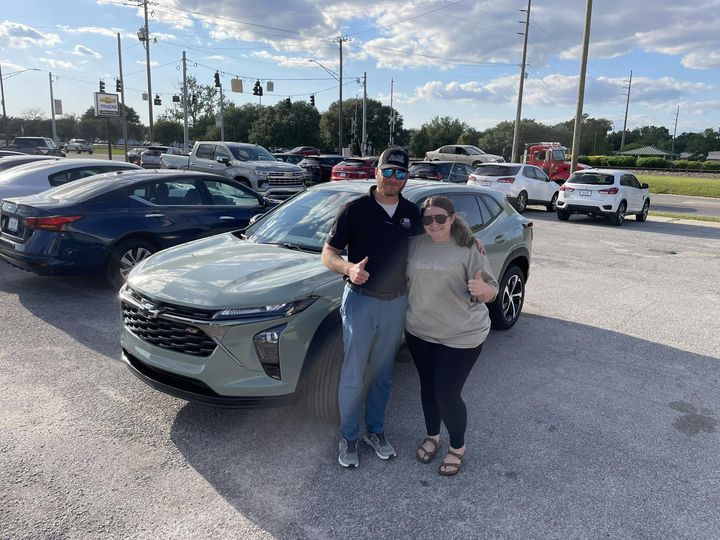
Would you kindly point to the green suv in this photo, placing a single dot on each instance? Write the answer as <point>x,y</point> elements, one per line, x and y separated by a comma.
<point>251,318</point>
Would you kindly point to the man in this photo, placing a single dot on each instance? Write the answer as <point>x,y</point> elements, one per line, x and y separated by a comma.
<point>375,229</point>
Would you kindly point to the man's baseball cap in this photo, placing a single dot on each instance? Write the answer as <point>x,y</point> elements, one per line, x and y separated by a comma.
<point>394,158</point>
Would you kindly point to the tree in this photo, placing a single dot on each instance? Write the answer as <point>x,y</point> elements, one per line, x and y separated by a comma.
<point>168,132</point>
<point>284,125</point>
<point>378,124</point>
<point>436,133</point>
<point>205,105</point>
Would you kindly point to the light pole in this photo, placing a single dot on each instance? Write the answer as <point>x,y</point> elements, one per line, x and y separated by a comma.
<point>338,78</point>
<point>144,36</point>
<point>2,95</point>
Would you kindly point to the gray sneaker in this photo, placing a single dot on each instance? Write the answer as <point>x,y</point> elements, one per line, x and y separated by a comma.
<point>383,449</point>
<point>348,456</point>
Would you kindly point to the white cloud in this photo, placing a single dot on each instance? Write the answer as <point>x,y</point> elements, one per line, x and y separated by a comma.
<point>218,57</point>
<point>58,64</point>
<point>153,63</point>
<point>291,61</point>
<point>20,36</point>
<point>82,50</point>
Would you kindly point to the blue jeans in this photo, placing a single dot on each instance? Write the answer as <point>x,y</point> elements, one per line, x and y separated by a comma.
<point>372,329</point>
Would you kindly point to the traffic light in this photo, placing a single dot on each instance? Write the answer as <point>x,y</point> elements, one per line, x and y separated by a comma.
<point>217,79</point>
<point>257,89</point>
<point>194,99</point>
<point>157,100</point>
<point>288,102</point>
<point>312,100</point>
<point>118,85</point>
<point>102,86</point>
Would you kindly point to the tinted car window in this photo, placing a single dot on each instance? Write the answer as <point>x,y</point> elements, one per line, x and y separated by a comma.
<point>529,172</point>
<point>492,205</point>
<point>251,153</point>
<point>225,194</point>
<point>64,177</point>
<point>467,207</point>
<point>170,193</point>
<point>204,151</point>
<point>220,151</point>
<point>593,179</point>
<point>497,170</point>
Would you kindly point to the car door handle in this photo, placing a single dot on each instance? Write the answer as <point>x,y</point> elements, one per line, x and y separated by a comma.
<point>155,215</point>
<point>500,238</point>
<point>227,218</point>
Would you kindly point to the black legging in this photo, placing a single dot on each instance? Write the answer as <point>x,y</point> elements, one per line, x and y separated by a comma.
<point>443,371</point>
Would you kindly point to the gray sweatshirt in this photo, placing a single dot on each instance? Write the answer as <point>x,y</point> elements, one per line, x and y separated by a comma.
<point>440,308</point>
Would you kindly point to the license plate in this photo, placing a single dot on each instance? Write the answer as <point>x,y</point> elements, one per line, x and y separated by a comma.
<point>585,193</point>
<point>12,224</point>
<point>485,183</point>
<point>342,174</point>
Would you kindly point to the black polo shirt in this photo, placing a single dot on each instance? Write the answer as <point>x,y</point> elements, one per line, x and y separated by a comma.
<point>367,230</point>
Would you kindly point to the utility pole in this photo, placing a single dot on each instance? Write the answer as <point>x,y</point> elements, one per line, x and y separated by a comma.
<point>123,117</point>
<point>2,96</point>
<point>340,40</point>
<point>222,116</point>
<point>364,116</point>
<point>147,62</point>
<point>516,131</point>
<point>52,109</point>
<point>581,88</point>
<point>186,135</point>
<point>672,148</point>
<point>627,105</point>
<point>392,114</point>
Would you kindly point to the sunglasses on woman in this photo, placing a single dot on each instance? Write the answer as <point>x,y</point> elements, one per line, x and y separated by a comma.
<point>439,219</point>
<point>400,175</point>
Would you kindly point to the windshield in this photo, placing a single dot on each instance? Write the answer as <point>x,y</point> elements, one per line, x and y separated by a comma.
<point>594,179</point>
<point>496,170</point>
<point>304,221</point>
<point>430,170</point>
<point>474,151</point>
<point>251,153</point>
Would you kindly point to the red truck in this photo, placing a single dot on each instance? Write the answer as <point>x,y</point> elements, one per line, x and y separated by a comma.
<point>550,157</point>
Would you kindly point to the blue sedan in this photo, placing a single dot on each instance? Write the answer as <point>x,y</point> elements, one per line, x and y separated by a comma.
<point>109,222</point>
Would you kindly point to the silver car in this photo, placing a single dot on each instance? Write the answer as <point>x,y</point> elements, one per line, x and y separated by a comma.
<point>246,319</point>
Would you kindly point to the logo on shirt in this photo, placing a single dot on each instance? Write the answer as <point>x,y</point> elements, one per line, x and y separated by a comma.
<point>405,223</point>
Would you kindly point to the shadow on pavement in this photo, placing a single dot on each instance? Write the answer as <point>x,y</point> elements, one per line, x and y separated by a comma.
<point>575,431</point>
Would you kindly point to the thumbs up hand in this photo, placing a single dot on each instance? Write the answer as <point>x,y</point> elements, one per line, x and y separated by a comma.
<point>477,286</point>
<point>357,273</point>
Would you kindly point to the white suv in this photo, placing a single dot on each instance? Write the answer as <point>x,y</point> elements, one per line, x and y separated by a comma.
<point>604,192</point>
<point>79,146</point>
<point>522,184</point>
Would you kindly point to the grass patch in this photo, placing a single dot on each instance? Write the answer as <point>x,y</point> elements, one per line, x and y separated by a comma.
<point>685,216</point>
<point>682,185</point>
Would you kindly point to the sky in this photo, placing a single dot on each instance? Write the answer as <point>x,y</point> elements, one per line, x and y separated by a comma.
<point>458,58</point>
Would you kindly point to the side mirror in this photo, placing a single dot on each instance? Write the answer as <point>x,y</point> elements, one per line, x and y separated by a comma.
<point>645,186</point>
<point>255,218</point>
<point>279,159</point>
<point>223,160</point>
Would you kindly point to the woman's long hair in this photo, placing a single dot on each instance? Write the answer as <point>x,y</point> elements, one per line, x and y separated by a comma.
<point>459,230</point>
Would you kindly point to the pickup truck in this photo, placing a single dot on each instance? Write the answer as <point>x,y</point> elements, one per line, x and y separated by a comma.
<point>44,146</point>
<point>249,164</point>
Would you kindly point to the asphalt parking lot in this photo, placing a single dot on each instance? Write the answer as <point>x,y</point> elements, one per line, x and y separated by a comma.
<point>595,416</point>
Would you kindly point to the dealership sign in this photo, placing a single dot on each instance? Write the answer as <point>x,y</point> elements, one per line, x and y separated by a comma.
<point>106,104</point>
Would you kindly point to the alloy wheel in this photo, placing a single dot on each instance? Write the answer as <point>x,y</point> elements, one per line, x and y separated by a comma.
<point>512,298</point>
<point>131,257</point>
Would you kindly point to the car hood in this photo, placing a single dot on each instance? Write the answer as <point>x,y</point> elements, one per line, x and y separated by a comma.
<point>224,271</point>
<point>270,166</point>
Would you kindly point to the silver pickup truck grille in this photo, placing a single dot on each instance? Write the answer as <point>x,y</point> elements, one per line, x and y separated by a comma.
<point>285,179</point>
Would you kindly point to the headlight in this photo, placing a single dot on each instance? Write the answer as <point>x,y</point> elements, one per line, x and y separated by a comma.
<point>264,185</point>
<point>261,172</point>
<point>271,311</point>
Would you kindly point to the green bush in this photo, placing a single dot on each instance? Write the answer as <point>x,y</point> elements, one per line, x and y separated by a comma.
<point>608,161</point>
<point>622,161</point>
<point>687,165</point>
<point>654,162</point>
<point>711,166</point>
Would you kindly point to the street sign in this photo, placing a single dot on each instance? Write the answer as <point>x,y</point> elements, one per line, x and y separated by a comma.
<point>106,104</point>
<point>57,106</point>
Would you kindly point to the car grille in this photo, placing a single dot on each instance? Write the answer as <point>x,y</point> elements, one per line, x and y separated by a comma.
<point>285,179</point>
<point>197,314</point>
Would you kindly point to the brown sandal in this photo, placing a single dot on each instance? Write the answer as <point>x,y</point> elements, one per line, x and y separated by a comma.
<point>451,469</point>
<point>424,456</point>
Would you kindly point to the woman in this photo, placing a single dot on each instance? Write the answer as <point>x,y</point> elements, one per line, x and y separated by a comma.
<point>447,322</point>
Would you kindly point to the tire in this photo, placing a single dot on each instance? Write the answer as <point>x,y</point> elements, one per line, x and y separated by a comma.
<point>78,151</point>
<point>124,257</point>
<point>521,202</point>
<point>507,306</point>
<point>619,216</point>
<point>552,207</point>
<point>642,216</point>
<point>563,215</point>
<point>320,383</point>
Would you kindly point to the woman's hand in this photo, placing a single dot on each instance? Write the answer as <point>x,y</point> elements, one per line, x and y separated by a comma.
<point>479,289</point>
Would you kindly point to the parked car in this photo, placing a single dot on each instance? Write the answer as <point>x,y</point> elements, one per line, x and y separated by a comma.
<point>10,162</point>
<point>444,171</point>
<point>150,157</point>
<point>249,164</point>
<point>305,151</point>
<point>288,157</point>
<point>249,319</point>
<point>606,193</point>
<point>465,153</point>
<point>79,146</point>
<point>39,176</point>
<point>318,169</point>
<point>108,223</point>
<point>523,184</point>
<point>36,145</point>
<point>356,168</point>
<point>133,156</point>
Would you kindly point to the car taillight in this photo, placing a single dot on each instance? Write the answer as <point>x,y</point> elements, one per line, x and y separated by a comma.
<point>609,191</point>
<point>506,180</point>
<point>566,188</point>
<point>529,225</point>
<point>55,223</point>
